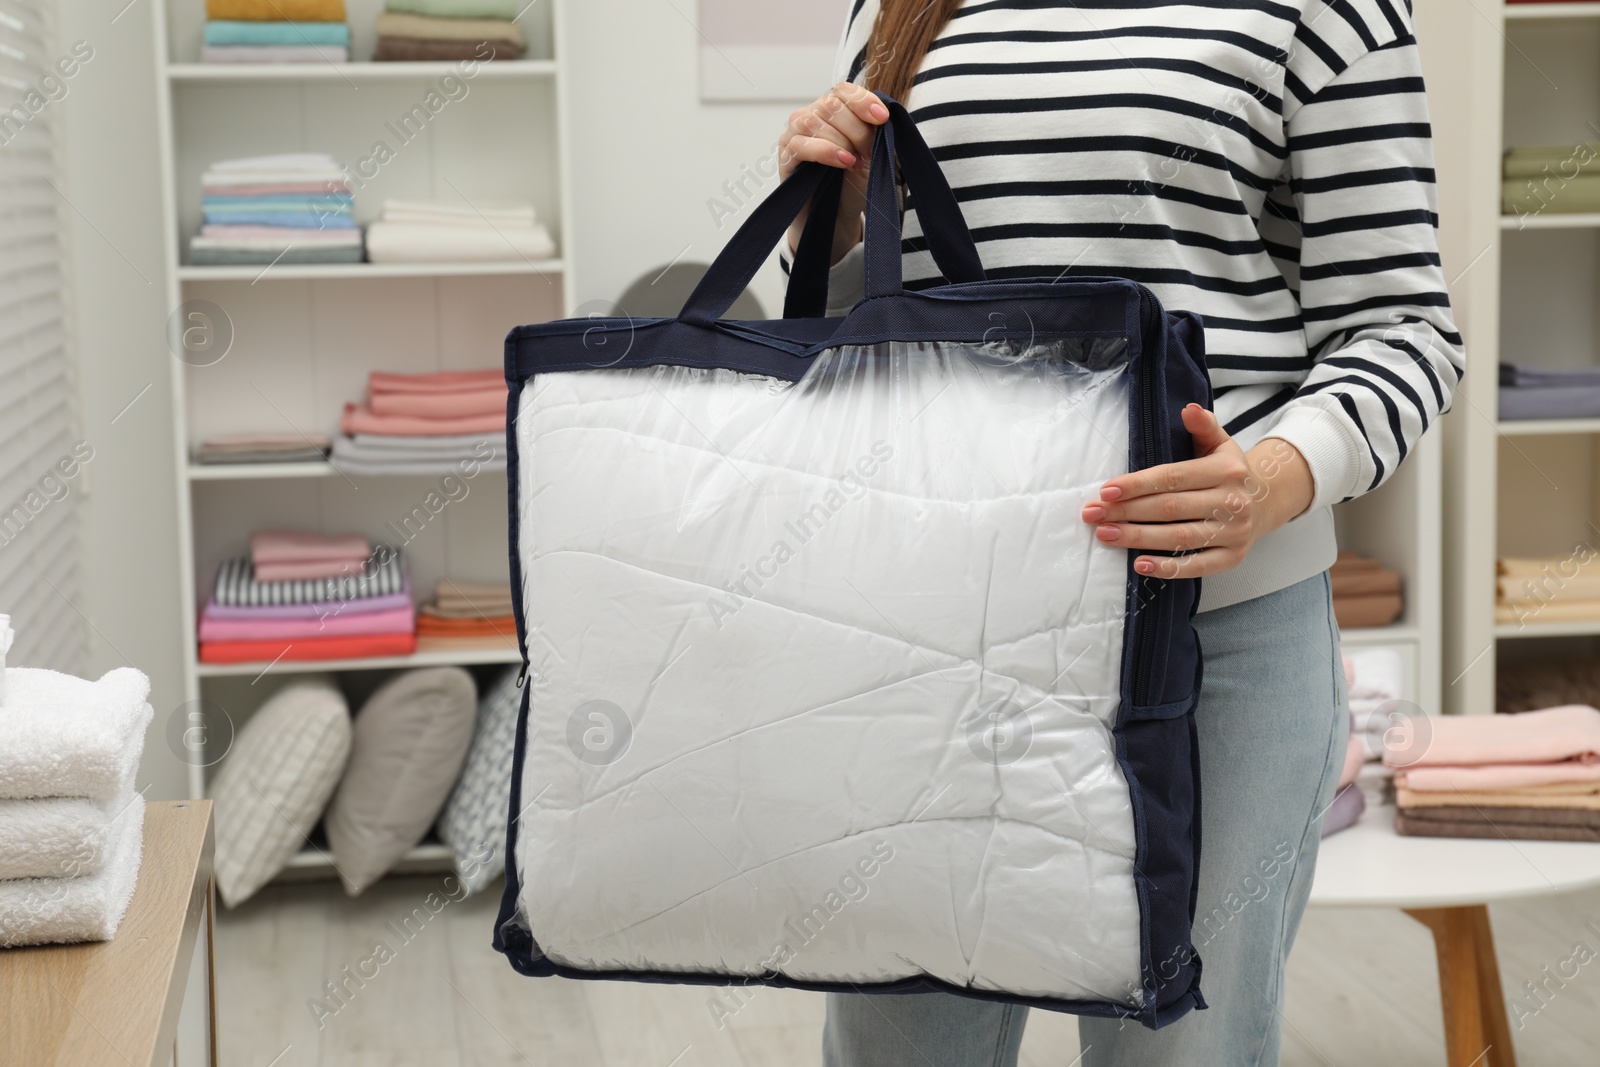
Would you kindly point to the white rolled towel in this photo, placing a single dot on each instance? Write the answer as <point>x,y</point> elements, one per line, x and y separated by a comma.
<point>42,911</point>
<point>59,837</point>
<point>62,736</point>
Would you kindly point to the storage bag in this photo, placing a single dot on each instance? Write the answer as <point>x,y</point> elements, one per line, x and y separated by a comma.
<point>828,685</point>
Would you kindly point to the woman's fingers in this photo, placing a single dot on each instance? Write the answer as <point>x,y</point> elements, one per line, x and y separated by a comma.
<point>1169,537</point>
<point>1168,507</point>
<point>837,129</point>
<point>1194,565</point>
<point>1220,468</point>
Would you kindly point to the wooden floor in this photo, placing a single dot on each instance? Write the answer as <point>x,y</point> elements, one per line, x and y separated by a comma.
<point>1362,992</point>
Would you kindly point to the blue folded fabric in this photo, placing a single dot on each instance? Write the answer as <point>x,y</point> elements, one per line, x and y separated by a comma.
<point>332,204</point>
<point>228,32</point>
<point>299,220</point>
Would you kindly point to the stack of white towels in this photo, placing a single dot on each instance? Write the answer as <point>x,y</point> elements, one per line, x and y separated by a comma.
<point>427,232</point>
<point>1379,717</point>
<point>71,822</point>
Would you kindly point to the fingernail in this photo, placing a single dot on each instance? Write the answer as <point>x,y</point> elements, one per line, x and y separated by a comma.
<point>1145,566</point>
<point>1107,533</point>
<point>878,111</point>
<point>1109,493</point>
<point>846,158</point>
<point>1093,513</point>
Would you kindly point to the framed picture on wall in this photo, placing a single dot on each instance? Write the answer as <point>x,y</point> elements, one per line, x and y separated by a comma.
<point>768,49</point>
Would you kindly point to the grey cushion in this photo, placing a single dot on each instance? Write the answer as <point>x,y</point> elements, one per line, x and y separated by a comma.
<point>269,793</point>
<point>410,739</point>
<point>474,819</point>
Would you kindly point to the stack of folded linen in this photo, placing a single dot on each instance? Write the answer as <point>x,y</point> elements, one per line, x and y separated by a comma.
<point>1365,592</point>
<point>411,30</point>
<point>448,422</point>
<point>1559,589</point>
<point>1533,775</point>
<point>71,822</point>
<point>304,596</point>
<point>1527,685</point>
<point>263,448</point>
<point>467,615</point>
<point>293,208</point>
<point>420,232</point>
<point>1532,393</point>
<point>1558,179</point>
<point>1379,717</point>
<point>275,31</point>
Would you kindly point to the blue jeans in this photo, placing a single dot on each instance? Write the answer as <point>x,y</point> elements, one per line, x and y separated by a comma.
<point>1273,723</point>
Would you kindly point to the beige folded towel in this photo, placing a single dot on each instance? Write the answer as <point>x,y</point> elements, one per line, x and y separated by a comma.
<point>425,28</point>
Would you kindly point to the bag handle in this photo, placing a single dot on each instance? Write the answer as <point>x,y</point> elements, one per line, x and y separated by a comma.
<point>940,214</point>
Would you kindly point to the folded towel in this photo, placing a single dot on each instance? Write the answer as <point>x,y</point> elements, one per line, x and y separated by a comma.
<point>298,220</point>
<point>389,467</point>
<point>447,381</point>
<point>506,642</point>
<point>409,242</point>
<point>7,635</point>
<point>324,187</point>
<point>433,28</point>
<point>459,9</point>
<point>1533,613</point>
<point>276,10</point>
<point>309,648</point>
<point>238,257</point>
<point>445,214</point>
<point>1492,798</point>
<point>274,53</point>
<point>394,621</point>
<point>62,736</point>
<point>435,626</point>
<point>323,177</point>
<point>451,588</point>
<point>276,237</point>
<point>1553,735</point>
<point>236,587</point>
<point>233,32</point>
<point>297,546</point>
<point>1348,804</point>
<point>1553,161</point>
<point>1378,609</point>
<point>479,610</point>
<point>312,203</point>
<point>1516,374</point>
<point>308,569</point>
<point>1379,673</point>
<point>1524,824</point>
<point>40,911</point>
<point>1365,582</point>
<point>263,442</point>
<point>60,837</point>
<point>412,50</point>
<point>359,418</point>
<point>440,405</point>
<point>414,455</point>
<point>324,610</point>
<point>1523,403</point>
<point>1496,776</point>
<point>1552,195</point>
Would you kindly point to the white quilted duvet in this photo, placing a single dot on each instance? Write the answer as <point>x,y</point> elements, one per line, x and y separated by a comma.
<point>824,672</point>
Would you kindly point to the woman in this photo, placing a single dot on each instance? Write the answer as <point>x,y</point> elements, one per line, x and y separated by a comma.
<point>1267,165</point>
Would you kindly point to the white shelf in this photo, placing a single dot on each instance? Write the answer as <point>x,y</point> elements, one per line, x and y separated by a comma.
<point>302,271</point>
<point>463,658</point>
<point>1519,12</point>
<point>249,472</point>
<point>355,72</point>
<point>1534,427</point>
<point>1552,220</point>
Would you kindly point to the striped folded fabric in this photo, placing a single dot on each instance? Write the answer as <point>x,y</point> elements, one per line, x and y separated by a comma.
<point>236,585</point>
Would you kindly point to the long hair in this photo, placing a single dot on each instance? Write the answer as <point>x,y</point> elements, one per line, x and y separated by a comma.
<point>900,38</point>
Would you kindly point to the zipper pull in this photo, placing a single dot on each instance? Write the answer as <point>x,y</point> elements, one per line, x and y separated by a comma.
<point>522,674</point>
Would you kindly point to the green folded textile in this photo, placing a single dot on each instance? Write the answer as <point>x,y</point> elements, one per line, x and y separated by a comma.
<point>232,32</point>
<point>1550,195</point>
<point>1564,160</point>
<point>457,9</point>
<point>228,257</point>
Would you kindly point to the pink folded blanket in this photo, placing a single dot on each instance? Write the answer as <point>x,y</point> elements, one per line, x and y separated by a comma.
<point>1569,732</point>
<point>359,418</point>
<point>451,381</point>
<point>297,546</point>
<point>365,605</point>
<point>1432,779</point>
<point>441,405</point>
<point>315,188</point>
<point>394,621</point>
<point>301,570</point>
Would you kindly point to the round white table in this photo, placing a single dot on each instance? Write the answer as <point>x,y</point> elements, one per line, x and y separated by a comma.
<point>1445,884</point>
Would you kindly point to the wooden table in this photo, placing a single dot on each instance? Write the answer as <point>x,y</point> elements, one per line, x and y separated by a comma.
<point>1446,884</point>
<point>117,1002</point>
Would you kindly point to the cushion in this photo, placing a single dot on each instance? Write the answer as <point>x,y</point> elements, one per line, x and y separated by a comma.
<point>411,737</point>
<point>474,819</point>
<point>270,791</point>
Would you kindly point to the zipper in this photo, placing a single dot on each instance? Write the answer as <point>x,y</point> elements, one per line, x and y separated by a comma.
<point>1151,591</point>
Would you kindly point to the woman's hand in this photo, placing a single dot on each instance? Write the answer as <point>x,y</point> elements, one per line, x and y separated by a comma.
<point>1212,508</point>
<point>837,130</point>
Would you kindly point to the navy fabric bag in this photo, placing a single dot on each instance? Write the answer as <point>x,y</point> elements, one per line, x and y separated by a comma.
<point>828,686</point>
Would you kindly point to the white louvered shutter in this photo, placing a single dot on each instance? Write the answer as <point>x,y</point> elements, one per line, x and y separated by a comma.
<point>40,545</point>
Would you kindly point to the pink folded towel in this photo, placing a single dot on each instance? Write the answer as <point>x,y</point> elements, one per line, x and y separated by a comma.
<point>448,381</point>
<point>1499,776</point>
<point>301,570</point>
<point>359,418</point>
<point>322,188</point>
<point>296,546</point>
<point>1567,733</point>
<point>395,621</point>
<point>441,405</point>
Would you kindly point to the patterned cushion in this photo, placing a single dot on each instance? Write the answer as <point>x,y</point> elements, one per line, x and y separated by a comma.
<point>269,794</point>
<point>474,819</point>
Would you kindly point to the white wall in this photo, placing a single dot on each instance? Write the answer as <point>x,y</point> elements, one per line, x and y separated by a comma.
<point>112,184</point>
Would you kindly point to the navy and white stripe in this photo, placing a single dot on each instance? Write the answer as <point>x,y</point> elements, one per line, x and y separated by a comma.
<point>1266,164</point>
<point>382,574</point>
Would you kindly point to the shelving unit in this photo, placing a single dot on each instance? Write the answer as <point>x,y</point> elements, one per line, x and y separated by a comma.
<point>304,337</point>
<point>1518,74</point>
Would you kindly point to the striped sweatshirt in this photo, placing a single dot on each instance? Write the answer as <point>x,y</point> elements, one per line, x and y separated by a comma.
<point>1266,164</point>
